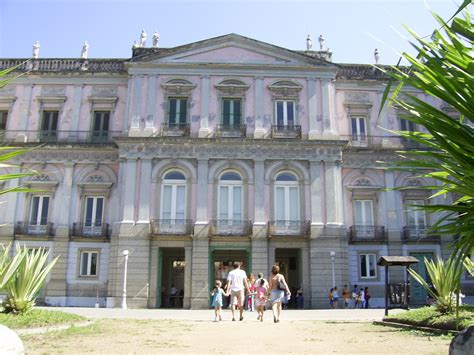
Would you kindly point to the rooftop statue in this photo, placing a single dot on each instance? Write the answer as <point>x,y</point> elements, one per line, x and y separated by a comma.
<point>321,42</point>
<point>156,38</point>
<point>85,49</point>
<point>376,56</point>
<point>36,49</point>
<point>309,43</point>
<point>142,39</point>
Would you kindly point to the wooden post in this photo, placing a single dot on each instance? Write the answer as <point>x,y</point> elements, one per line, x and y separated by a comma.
<point>386,290</point>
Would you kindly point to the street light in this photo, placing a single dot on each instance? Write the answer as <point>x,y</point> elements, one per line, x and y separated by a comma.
<point>333,260</point>
<point>124,292</point>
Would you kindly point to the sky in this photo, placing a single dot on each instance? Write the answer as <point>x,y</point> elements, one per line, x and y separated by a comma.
<point>352,28</point>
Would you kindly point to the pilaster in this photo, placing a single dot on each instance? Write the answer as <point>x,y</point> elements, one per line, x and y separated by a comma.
<point>201,225</point>
<point>316,194</point>
<point>76,110</point>
<point>205,97</point>
<point>312,109</point>
<point>188,256</point>
<point>334,200</point>
<point>259,129</point>
<point>329,126</point>
<point>145,186</point>
<point>128,190</point>
<point>260,224</point>
<point>200,274</point>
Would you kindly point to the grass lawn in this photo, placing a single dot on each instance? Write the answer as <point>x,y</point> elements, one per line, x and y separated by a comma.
<point>37,318</point>
<point>430,317</point>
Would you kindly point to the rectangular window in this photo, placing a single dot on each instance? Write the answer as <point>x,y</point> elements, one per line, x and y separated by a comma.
<point>358,130</point>
<point>173,206</point>
<point>285,113</point>
<point>287,203</point>
<point>177,111</point>
<point>89,263</point>
<point>406,125</point>
<point>94,211</point>
<point>39,210</point>
<point>368,266</point>
<point>101,125</point>
<point>232,112</point>
<point>3,120</point>
<point>49,126</point>
<point>230,203</point>
<point>363,213</point>
<point>416,219</point>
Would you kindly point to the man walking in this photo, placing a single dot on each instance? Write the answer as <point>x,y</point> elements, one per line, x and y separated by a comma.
<point>237,284</point>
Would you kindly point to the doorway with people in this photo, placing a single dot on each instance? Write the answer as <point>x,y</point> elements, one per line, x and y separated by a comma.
<point>170,285</point>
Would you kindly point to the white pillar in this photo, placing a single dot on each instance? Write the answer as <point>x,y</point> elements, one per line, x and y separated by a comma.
<point>259,129</point>
<point>151,99</point>
<point>128,191</point>
<point>312,109</point>
<point>65,196</point>
<point>145,188</point>
<point>328,112</point>
<point>202,181</point>
<point>316,191</point>
<point>25,108</point>
<point>205,96</point>
<point>333,179</point>
<point>392,221</point>
<point>188,255</point>
<point>259,185</point>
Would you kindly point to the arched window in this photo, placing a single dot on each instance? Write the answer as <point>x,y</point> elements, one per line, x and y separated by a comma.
<point>287,197</point>
<point>173,197</point>
<point>230,206</point>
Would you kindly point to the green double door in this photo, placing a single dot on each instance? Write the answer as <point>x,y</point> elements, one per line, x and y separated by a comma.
<point>418,293</point>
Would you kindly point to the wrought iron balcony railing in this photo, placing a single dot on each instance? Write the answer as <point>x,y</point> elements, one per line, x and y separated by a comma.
<point>287,227</point>
<point>175,129</point>
<point>418,234</point>
<point>171,226</point>
<point>286,131</point>
<point>90,230</point>
<point>27,228</point>
<point>231,131</point>
<point>60,137</point>
<point>230,227</point>
<point>361,233</point>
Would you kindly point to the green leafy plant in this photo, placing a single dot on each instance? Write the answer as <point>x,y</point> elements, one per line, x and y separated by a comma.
<point>24,285</point>
<point>445,279</point>
<point>469,265</point>
<point>443,68</point>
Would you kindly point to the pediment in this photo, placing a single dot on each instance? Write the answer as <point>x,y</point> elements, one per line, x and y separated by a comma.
<point>229,49</point>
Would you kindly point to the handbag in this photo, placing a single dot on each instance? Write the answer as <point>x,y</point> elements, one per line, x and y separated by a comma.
<point>281,286</point>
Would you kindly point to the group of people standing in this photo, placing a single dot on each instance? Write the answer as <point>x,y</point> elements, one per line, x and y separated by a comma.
<point>259,292</point>
<point>358,298</point>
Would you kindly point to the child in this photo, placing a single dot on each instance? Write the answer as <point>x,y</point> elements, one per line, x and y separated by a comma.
<point>261,299</point>
<point>217,293</point>
<point>330,296</point>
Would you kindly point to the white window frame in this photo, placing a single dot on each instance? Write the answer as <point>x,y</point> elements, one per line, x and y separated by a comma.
<point>416,213</point>
<point>93,229</point>
<point>364,217</point>
<point>285,112</point>
<point>230,184</point>
<point>174,188</point>
<point>367,265</point>
<point>177,121</point>
<point>40,210</point>
<point>89,263</point>
<point>287,186</point>
<point>232,116</point>
<point>357,137</point>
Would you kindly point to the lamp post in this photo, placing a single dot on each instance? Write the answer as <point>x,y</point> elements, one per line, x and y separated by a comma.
<point>333,260</point>
<point>124,292</point>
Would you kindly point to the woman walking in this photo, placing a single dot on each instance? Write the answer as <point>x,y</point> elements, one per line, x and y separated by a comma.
<point>277,288</point>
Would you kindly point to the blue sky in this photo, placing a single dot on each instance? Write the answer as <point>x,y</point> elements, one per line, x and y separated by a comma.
<point>352,29</point>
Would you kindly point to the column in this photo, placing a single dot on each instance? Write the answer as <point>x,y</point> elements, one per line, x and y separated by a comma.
<point>327,98</point>
<point>128,116</point>
<point>151,104</point>
<point>145,188</point>
<point>25,111</point>
<point>64,197</point>
<point>312,108</point>
<point>259,183</point>
<point>205,95</point>
<point>316,184</point>
<point>76,110</point>
<point>201,203</point>
<point>135,107</point>
<point>333,188</point>
<point>391,218</point>
<point>188,255</point>
<point>129,174</point>
<point>259,129</point>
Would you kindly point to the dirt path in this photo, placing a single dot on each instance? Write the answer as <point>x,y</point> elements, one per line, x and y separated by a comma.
<point>302,337</point>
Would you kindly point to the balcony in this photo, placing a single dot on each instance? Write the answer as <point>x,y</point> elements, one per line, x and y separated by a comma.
<point>389,142</point>
<point>286,132</point>
<point>175,129</point>
<point>360,233</point>
<point>61,137</point>
<point>231,131</point>
<point>87,230</point>
<point>39,230</point>
<point>290,228</point>
<point>418,234</point>
<point>171,226</point>
<point>230,227</point>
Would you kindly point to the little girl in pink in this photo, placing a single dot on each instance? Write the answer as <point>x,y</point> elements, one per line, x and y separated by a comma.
<point>261,299</point>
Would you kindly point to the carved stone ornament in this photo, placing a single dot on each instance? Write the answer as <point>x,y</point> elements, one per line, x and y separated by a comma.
<point>363,182</point>
<point>104,91</point>
<point>357,96</point>
<point>95,178</point>
<point>285,88</point>
<point>178,87</point>
<point>232,87</point>
<point>41,177</point>
<point>53,91</point>
<point>413,182</point>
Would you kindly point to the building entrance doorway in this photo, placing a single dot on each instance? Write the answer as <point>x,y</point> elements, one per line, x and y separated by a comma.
<point>222,261</point>
<point>170,285</point>
<point>289,261</point>
<point>417,292</point>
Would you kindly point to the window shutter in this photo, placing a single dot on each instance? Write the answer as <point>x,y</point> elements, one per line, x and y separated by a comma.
<point>182,111</point>
<point>172,112</point>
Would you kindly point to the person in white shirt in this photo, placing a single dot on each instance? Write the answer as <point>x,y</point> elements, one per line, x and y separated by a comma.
<point>237,284</point>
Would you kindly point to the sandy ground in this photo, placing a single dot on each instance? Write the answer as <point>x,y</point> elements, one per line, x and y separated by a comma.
<point>130,336</point>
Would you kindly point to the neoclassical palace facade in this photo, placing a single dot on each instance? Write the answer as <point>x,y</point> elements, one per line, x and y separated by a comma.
<point>192,157</point>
